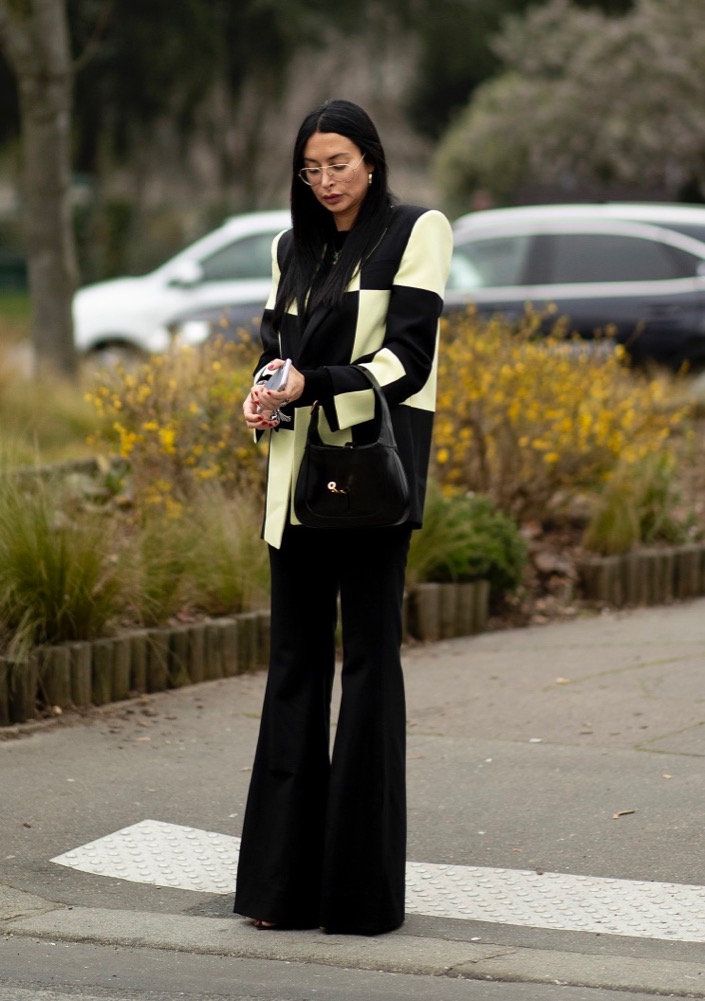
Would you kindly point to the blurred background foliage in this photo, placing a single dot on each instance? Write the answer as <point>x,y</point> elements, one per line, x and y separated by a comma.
<point>137,63</point>
<point>584,103</point>
<point>184,113</point>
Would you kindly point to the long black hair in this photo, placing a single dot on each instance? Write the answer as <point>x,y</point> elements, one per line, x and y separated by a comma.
<point>307,270</point>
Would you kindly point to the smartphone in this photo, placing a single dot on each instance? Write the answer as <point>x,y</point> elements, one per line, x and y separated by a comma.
<point>278,379</point>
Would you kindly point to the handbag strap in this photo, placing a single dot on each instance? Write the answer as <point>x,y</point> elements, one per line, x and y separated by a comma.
<point>386,431</point>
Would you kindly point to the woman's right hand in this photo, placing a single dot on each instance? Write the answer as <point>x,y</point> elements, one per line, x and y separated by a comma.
<point>256,419</point>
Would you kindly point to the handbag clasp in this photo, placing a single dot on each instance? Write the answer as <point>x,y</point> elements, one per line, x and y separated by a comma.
<point>335,489</point>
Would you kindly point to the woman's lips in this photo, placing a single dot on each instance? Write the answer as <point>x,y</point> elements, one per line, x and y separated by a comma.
<point>331,199</point>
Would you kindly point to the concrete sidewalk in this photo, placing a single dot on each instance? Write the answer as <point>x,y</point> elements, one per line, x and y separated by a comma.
<point>556,795</point>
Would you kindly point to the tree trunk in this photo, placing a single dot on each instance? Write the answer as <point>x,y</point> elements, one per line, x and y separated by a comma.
<point>34,35</point>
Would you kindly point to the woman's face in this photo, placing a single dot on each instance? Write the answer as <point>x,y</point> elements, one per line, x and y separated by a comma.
<point>341,195</point>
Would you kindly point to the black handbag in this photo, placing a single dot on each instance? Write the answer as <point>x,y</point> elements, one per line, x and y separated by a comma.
<point>353,485</point>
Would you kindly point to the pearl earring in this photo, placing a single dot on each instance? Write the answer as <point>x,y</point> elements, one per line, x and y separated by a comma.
<point>369,178</point>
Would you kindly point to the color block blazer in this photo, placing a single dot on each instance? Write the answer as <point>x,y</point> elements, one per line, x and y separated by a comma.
<point>388,323</point>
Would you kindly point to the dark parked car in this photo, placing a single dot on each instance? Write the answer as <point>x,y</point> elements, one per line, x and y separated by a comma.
<point>638,270</point>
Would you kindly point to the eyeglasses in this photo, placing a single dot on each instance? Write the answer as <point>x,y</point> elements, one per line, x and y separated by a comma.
<point>339,171</point>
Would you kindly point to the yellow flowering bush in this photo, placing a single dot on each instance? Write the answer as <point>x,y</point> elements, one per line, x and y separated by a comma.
<point>524,418</point>
<point>177,420</point>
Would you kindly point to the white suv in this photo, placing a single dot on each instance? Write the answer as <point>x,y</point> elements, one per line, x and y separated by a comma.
<point>232,265</point>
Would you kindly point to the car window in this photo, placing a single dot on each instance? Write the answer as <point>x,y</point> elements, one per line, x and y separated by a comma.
<point>487,263</point>
<point>605,257</point>
<point>248,258</point>
<point>687,229</point>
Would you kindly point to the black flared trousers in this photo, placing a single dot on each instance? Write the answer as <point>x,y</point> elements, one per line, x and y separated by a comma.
<point>324,834</point>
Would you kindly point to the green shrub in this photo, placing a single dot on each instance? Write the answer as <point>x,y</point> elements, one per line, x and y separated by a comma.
<point>466,538</point>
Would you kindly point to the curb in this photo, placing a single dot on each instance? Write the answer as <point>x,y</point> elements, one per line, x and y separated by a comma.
<point>85,674</point>
<point>25,915</point>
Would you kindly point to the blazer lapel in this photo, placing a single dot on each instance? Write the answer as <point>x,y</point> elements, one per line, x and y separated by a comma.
<point>307,332</point>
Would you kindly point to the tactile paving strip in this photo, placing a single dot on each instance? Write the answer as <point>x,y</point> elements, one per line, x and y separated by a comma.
<point>204,861</point>
<point>559,901</point>
<point>163,855</point>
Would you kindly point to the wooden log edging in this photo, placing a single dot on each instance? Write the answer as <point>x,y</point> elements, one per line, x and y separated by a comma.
<point>654,576</point>
<point>94,673</point>
<point>448,611</point>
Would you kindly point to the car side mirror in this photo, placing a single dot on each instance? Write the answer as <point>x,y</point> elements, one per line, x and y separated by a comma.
<point>186,274</point>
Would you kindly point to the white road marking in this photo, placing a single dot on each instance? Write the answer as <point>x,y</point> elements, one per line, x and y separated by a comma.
<point>204,861</point>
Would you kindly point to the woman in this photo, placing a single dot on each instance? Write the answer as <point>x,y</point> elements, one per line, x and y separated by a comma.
<point>358,282</point>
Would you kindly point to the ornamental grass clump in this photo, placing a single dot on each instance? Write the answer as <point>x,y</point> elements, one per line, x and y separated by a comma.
<point>59,578</point>
<point>229,565</point>
<point>73,570</point>
<point>158,554</point>
<point>207,558</point>
<point>527,418</point>
<point>640,503</point>
<point>177,419</point>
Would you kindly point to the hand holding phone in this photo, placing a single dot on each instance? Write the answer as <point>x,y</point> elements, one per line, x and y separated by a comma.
<point>276,382</point>
<point>279,379</point>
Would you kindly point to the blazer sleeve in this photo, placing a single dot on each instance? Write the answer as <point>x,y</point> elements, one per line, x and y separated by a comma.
<point>268,335</point>
<point>405,362</point>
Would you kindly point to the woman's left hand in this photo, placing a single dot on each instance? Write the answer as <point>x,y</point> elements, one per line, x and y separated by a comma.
<point>272,399</point>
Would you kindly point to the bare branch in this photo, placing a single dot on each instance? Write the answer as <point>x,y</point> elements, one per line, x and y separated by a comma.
<point>99,29</point>
<point>15,38</point>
